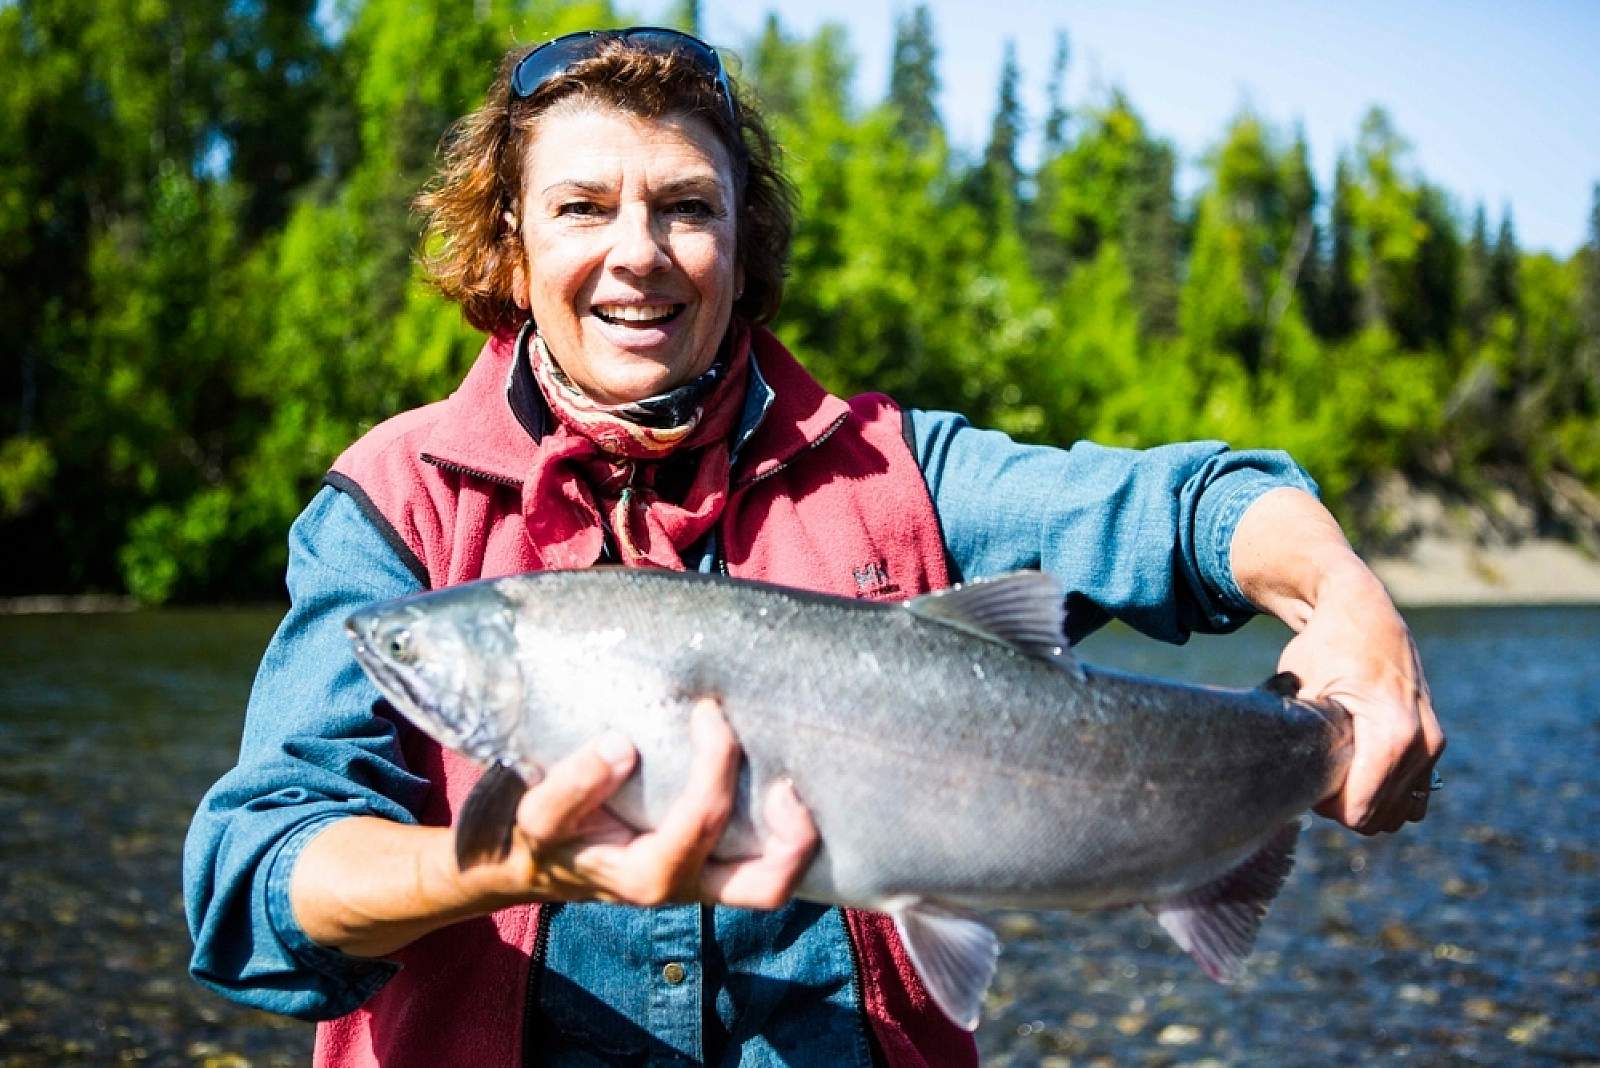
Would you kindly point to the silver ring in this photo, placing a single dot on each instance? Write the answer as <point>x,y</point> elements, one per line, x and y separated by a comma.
<point>1435,782</point>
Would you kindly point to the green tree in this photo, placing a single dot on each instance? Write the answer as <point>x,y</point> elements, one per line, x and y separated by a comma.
<point>684,15</point>
<point>1504,261</point>
<point>1477,303</point>
<point>776,71</point>
<point>914,78</point>
<point>1340,299</point>
<point>998,179</point>
<point>1057,114</point>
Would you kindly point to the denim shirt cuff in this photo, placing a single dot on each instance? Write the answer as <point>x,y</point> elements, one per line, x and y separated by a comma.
<point>1217,518</point>
<point>354,978</point>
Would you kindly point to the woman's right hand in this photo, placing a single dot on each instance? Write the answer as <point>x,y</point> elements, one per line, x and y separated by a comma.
<point>369,886</point>
<point>568,847</point>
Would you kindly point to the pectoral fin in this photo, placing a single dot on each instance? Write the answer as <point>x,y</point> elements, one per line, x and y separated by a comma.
<point>954,952</point>
<point>1217,924</point>
<point>483,831</point>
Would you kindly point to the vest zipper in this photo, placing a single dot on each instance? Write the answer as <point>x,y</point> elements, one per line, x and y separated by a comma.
<point>863,1017</point>
<point>530,1001</point>
<point>462,469</point>
<point>820,438</point>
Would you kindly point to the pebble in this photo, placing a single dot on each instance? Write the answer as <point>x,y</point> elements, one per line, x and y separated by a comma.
<point>1179,1035</point>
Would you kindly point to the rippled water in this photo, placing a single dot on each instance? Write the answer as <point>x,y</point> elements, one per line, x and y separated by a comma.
<point>1474,940</point>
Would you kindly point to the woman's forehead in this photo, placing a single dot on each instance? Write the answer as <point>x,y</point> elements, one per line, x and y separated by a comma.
<point>589,143</point>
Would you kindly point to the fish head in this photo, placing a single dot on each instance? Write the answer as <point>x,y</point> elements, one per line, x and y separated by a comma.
<point>446,661</point>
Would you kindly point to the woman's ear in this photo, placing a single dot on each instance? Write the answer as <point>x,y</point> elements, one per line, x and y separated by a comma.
<point>519,275</point>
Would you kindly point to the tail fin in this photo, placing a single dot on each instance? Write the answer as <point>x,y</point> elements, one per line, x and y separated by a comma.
<point>1217,924</point>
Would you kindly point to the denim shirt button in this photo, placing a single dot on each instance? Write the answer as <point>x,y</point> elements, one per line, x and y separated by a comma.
<point>674,973</point>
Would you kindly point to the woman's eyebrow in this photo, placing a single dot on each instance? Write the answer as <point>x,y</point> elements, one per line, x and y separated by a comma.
<point>699,183</point>
<point>577,185</point>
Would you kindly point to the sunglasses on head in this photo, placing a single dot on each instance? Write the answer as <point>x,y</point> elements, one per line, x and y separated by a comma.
<point>554,58</point>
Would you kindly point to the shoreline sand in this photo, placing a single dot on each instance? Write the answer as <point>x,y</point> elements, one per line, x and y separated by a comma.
<point>1450,572</point>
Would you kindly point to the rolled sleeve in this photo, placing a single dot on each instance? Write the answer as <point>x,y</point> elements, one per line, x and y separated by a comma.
<point>313,752</point>
<point>1139,535</point>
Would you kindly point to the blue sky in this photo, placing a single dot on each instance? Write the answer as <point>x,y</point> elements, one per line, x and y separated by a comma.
<point>1500,101</point>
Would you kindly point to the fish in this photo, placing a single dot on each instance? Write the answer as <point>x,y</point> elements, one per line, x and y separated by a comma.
<point>954,753</point>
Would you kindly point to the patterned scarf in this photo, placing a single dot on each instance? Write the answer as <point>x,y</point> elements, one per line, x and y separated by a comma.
<point>654,473</point>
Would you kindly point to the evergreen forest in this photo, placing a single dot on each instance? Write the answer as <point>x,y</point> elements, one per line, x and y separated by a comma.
<point>208,281</point>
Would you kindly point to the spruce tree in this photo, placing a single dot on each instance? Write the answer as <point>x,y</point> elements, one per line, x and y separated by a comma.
<point>685,15</point>
<point>999,177</point>
<point>914,78</point>
<point>1301,256</point>
<point>1153,240</point>
<point>1476,306</point>
<point>1057,115</point>
<point>1587,362</point>
<point>1503,296</point>
<point>1341,301</point>
<point>776,69</point>
<point>1589,297</point>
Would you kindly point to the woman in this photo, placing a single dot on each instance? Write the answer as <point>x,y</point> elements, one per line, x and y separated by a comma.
<point>613,219</point>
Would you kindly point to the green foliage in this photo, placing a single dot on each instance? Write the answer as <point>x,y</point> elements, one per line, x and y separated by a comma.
<point>914,78</point>
<point>208,283</point>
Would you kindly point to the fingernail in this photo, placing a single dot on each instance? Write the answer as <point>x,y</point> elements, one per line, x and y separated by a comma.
<point>787,800</point>
<point>703,715</point>
<point>615,749</point>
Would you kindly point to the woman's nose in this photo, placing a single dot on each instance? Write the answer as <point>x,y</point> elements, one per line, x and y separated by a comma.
<point>639,247</point>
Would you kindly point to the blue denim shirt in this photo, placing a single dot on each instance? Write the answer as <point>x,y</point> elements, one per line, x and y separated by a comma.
<point>1143,536</point>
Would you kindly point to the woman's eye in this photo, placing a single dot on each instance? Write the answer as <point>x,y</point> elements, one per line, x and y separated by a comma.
<point>579,208</point>
<point>691,209</point>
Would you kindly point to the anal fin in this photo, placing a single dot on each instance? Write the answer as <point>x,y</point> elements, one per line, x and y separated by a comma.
<point>1217,924</point>
<point>954,952</point>
<point>483,831</point>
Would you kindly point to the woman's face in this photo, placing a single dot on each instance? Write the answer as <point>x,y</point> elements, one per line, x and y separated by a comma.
<point>628,233</point>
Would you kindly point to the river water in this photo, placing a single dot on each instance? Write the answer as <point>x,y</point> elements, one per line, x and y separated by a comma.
<point>1474,939</point>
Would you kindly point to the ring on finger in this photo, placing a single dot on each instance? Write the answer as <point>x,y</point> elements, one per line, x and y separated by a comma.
<point>1435,782</point>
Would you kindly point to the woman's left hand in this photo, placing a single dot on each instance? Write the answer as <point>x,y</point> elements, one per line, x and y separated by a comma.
<point>1291,559</point>
<point>1356,650</point>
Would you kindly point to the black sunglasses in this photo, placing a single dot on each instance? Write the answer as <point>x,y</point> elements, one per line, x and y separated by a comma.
<point>554,58</point>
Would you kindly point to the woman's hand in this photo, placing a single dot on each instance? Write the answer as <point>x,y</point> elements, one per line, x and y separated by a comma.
<point>368,886</point>
<point>1351,646</point>
<point>568,847</point>
<point>1357,651</point>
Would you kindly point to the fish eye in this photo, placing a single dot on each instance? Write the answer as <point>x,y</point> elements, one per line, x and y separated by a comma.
<point>399,645</point>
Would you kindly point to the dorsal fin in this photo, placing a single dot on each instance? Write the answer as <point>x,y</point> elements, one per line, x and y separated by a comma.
<point>1025,610</point>
<point>1283,684</point>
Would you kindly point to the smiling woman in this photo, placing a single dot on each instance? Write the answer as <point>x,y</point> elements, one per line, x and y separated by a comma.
<point>628,231</point>
<point>613,218</point>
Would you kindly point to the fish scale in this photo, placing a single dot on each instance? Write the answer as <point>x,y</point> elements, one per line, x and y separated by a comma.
<point>952,753</point>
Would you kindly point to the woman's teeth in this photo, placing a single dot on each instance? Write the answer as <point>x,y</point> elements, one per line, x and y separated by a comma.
<point>637,313</point>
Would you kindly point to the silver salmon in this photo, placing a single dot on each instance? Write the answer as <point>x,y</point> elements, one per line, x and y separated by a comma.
<point>953,752</point>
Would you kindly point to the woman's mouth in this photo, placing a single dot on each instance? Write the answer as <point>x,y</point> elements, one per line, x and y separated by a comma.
<point>637,314</point>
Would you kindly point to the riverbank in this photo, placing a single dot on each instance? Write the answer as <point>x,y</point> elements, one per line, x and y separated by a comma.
<point>1456,571</point>
<point>1512,544</point>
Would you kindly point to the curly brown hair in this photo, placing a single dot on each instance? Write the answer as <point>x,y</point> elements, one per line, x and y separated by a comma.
<point>469,251</point>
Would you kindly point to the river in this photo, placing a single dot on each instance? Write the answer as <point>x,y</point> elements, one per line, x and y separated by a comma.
<point>1474,939</point>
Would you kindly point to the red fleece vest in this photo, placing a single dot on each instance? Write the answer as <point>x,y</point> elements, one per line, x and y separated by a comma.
<point>826,495</point>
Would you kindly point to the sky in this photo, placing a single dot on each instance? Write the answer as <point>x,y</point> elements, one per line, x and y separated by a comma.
<point>1499,101</point>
